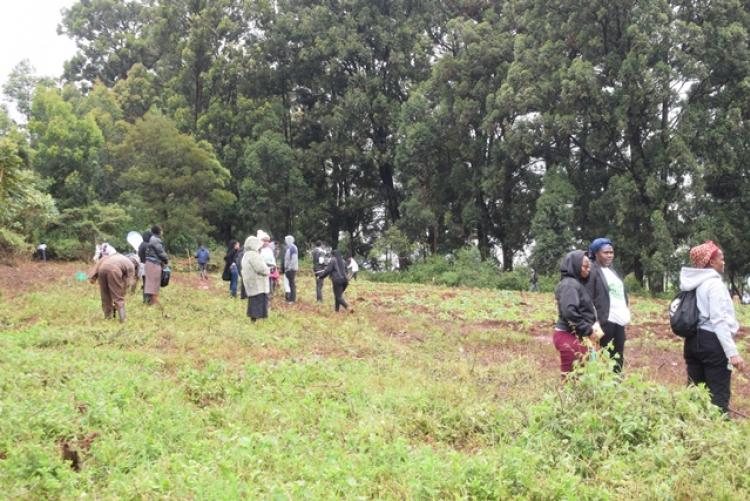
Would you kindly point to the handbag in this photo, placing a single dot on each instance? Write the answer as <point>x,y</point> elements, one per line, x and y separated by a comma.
<point>166,273</point>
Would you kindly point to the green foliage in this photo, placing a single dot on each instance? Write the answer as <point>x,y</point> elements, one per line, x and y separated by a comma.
<point>412,396</point>
<point>13,243</point>
<point>66,148</point>
<point>465,268</point>
<point>553,222</point>
<point>171,179</point>
<point>77,231</point>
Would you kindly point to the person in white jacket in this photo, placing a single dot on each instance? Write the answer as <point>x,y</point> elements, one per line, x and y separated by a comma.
<point>711,354</point>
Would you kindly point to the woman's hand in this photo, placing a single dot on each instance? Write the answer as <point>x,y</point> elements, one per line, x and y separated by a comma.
<point>737,362</point>
<point>596,331</point>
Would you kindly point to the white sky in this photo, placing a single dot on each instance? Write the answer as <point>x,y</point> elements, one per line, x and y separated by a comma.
<point>28,30</point>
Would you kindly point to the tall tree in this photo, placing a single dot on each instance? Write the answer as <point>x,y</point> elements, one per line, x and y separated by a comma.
<point>170,178</point>
<point>66,148</point>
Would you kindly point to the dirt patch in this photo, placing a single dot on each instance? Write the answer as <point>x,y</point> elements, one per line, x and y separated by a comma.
<point>28,276</point>
<point>72,449</point>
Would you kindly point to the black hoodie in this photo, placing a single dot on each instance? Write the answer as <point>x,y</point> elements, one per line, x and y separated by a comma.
<point>576,312</point>
<point>335,269</point>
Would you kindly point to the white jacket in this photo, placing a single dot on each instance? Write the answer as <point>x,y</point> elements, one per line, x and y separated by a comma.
<point>714,303</point>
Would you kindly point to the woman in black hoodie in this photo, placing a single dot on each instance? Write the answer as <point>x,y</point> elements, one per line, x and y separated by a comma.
<point>576,313</point>
<point>337,270</point>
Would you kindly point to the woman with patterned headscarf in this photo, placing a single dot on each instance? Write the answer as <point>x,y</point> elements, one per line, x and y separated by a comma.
<point>711,353</point>
<point>607,290</point>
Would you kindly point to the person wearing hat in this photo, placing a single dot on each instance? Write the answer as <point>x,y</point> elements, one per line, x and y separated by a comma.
<point>576,314</point>
<point>711,354</point>
<point>607,291</point>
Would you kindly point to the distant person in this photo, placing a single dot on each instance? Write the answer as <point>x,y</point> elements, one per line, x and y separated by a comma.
<point>115,273</point>
<point>337,271</point>
<point>269,257</point>
<point>353,267</point>
<point>255,278</point>
<point>319,255</point>
<point>203,256</point>
<point>711,354</point>
<point>576,314</point>
<point>104,249</point>
<point>42,251</point>
<point>534,280</point>
<point>231,268</point>
<point>746,297</point>
<point>291,267</point>
<point>156,260</point>
<point>142,256</point>
<point>607,290</point>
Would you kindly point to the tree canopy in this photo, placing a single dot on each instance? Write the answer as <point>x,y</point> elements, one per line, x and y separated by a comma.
<point>524,127</point>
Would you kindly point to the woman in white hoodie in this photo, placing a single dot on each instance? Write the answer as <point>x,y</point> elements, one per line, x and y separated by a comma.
<point>711,354</point>
<point>255,279</point>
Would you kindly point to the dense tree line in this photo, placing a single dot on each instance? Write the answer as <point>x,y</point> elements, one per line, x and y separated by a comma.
<point>515,125</point>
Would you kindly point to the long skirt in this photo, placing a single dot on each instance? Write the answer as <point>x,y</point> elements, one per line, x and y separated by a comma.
<point>153,278</point>
<point>257,306</point>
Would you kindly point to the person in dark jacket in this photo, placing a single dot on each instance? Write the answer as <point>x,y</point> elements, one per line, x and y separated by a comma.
<point>336,269</point>
<point>142,256</point>
<point>607,291</point>
<point>231,271</point>
<point>156,259</point>
<point>576,314</point>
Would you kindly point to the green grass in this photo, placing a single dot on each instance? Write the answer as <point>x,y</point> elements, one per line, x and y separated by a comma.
<point>422,393</point>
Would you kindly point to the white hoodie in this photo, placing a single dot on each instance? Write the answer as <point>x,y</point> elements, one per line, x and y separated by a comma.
<point>714,303</point>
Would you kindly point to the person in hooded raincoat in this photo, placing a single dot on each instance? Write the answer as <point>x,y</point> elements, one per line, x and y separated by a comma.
<point>255,279</point>
<point>607,290</point>
<point>576,313</point>
<point>711,354</point>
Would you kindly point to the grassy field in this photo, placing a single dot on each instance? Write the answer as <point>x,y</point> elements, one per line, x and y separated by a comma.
<point>421,392</point>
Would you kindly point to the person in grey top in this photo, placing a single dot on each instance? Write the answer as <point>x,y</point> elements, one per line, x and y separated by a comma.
<point>711,354</point>
<point>291,267</point>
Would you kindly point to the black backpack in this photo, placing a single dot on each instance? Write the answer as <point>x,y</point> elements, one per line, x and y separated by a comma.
<point>684,314</point>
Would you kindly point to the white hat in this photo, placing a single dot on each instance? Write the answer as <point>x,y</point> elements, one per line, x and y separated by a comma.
<point>262,235</point>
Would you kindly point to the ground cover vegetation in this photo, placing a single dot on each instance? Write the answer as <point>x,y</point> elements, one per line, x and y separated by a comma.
<point>430,124</point>
<point>422,392</point>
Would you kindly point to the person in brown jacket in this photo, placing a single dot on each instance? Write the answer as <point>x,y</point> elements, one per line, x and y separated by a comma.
<point>114,274</point>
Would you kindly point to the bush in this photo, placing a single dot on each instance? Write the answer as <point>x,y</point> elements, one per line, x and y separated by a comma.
<point>11,243</point>
<point>464,269</point>
<point>632,285</point>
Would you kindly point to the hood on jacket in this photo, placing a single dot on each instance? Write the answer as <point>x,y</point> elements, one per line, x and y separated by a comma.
<point>252,243</point>
<point>289,239</point>
<point>262,235</point>
<point>571,264</point>
<point>691,278</point>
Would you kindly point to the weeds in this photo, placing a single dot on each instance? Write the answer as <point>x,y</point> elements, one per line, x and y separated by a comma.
<point>424,392</point>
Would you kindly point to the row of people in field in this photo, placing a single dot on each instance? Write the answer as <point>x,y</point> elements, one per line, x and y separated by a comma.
<point>242,266</point>
<point>592,305</point>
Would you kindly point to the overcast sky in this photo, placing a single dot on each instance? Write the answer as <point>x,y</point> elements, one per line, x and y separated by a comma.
<point>28,30</point>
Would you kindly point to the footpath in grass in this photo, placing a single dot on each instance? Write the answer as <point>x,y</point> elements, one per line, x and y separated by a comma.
<point>421,392</point>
